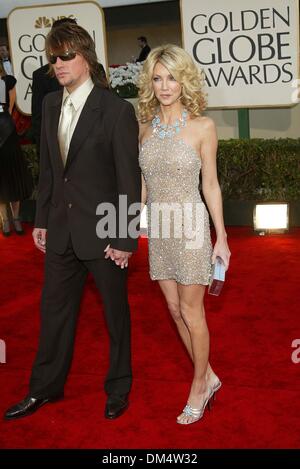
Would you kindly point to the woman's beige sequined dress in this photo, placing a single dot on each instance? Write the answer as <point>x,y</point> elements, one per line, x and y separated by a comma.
<point>171,171</point>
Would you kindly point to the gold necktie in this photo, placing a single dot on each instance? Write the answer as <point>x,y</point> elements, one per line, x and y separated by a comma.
<point>67,115</point>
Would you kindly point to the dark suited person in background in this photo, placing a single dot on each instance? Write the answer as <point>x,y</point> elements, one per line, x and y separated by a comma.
<point>145,49</point>
<point>43,82</point>
<point>4,57</point>
<point>89,156</point>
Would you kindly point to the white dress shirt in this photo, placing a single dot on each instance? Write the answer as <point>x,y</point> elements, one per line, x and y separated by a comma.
<point>2,92</point>
<point>7,66</point>
<point>78,98</point>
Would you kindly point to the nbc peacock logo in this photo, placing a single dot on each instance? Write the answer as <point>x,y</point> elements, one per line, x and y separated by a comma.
<point>42,22</point>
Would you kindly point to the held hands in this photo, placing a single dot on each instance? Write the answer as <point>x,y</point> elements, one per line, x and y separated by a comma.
<point>221,250</point>
<point>119,257</point>
<point>39,237</point>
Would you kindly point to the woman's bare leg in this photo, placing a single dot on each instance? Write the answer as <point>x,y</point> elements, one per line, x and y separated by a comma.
<point>170,289</point>
<point>3,212</point>
<point>15,209</point>
<point>192,310</point>
<point>4,219</point>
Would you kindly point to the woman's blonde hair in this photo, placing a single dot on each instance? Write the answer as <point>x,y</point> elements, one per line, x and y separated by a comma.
<point>182,67</point>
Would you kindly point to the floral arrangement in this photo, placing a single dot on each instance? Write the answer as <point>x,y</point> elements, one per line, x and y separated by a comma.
<point>123,79</point>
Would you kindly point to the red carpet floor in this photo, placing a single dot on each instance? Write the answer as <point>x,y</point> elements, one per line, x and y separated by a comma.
<point>252,327</point>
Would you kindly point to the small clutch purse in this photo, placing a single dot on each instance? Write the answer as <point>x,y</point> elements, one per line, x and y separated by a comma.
<point>217,278</point>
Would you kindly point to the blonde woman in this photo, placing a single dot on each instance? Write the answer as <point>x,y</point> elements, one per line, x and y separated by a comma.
<point>15,180</point>
<point>177,142</point>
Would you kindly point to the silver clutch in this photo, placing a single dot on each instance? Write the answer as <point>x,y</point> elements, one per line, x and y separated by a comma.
<point>217,278</point>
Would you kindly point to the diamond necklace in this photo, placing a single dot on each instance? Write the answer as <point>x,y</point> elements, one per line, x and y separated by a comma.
<point>166,130</point>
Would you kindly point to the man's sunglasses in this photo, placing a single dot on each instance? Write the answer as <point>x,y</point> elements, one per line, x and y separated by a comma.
<point>68,55</point>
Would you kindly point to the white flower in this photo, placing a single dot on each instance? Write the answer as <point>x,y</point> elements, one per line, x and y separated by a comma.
<point>125,74</point>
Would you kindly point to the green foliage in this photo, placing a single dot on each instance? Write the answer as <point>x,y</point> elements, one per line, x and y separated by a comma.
<point>31,156</point>
<point>257,169</point>
<point>126,91</point>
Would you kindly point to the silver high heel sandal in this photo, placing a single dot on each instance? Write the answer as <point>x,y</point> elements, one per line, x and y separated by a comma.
<point>214,388</point>
<point>197,414</point>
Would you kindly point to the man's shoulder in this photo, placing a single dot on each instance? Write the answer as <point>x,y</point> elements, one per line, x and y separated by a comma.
<point>113,100</point>
<point>53,98</point>
<point>40,72</point>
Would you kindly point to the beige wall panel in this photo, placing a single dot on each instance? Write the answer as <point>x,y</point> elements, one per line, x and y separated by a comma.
<point>122,43</point>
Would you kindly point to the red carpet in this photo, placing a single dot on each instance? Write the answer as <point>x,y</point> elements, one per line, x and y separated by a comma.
<point>252,326</point>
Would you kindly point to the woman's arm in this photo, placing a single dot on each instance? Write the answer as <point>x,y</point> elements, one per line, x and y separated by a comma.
<point>211,189</point>
<point>144,193</point>
<point>12,99</point>
<point>142,131</point>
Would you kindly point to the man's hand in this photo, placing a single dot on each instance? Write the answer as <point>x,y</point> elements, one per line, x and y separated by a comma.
<point>39,237</point>
<point>119,257</point>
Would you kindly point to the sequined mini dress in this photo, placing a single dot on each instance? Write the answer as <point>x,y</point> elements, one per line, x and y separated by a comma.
<point>178,223</point>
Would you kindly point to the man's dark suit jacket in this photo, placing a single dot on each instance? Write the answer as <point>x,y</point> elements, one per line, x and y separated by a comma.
<point>42,84</point>
<point>102,163</point>
<point>144,53</point>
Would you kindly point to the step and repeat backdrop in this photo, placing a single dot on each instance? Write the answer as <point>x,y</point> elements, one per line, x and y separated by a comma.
<point>27,29</point>
<point>249,51</point>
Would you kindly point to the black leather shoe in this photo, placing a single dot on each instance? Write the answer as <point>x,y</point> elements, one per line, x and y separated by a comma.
<point>28,406</point>
<point>116,406</point>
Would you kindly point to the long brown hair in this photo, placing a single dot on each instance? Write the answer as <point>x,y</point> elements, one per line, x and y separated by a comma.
<point>74,37</point>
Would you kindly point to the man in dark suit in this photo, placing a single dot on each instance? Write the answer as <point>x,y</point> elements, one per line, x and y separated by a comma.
<point>42,84</point>
<point>89,161</point>
<point>145,49</point>
<point>4,57</point>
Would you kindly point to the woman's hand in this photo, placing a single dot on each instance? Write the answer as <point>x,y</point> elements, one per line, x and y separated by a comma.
<point>221,250</point>
<point>39,237</point>
<point>120,258</point>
